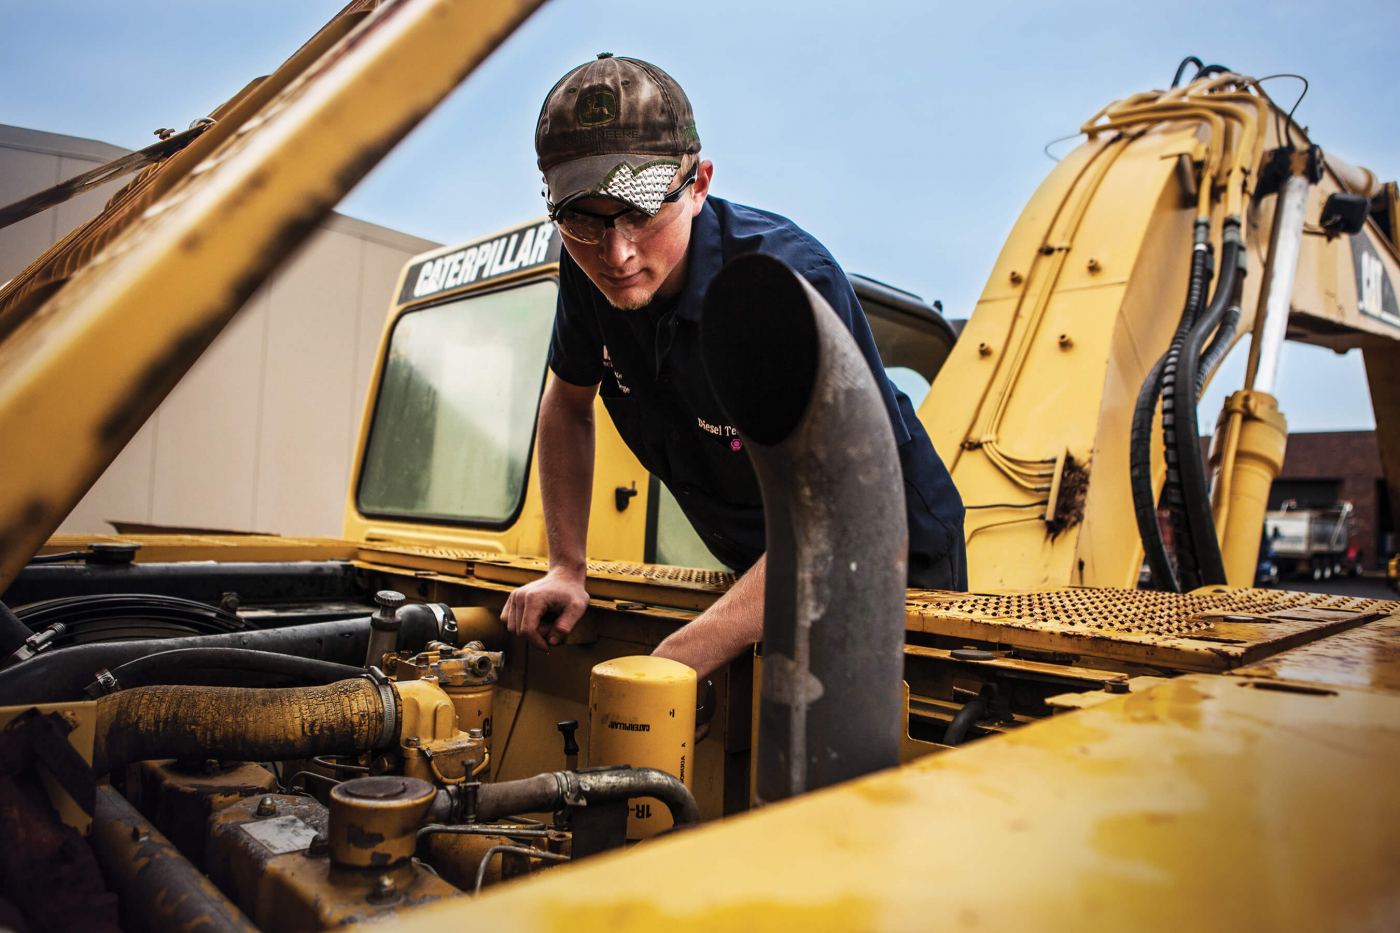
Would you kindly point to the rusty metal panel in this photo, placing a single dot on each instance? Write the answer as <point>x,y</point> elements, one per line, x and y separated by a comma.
<point>178,547</point>
<point>1366,657</point>
<point>1206,630</point>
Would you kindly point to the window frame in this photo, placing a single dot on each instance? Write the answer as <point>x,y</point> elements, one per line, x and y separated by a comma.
<point>448,520</point>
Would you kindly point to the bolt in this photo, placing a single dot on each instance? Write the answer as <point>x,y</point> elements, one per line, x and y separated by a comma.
<point>412,741</point>
<point>211,766</point>
<point>320,845</point>
<point>1094,266</point>
<point>585,786</point>
<point>1066,341</point>
<point>476,734</point>
<point>1015,277</point>
<point>1116,686</point>
<point>985,349</point>
<point>384,889</point>
<point>266,807</point>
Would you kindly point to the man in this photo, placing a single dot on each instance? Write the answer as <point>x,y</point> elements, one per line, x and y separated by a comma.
<point>618,147</point>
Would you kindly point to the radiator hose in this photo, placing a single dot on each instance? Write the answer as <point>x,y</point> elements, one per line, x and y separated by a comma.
<point>242,724</point>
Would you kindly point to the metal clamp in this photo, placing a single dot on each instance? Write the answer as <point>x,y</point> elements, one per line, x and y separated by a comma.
<point>107,682</point>
<point>391,708</point>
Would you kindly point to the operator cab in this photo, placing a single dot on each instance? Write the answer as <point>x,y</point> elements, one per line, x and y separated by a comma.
<point>448,439</point>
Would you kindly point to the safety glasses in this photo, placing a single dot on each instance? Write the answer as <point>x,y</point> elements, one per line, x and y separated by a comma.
<point>632,224</point>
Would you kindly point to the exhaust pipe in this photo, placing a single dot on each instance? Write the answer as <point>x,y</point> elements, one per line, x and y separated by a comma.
<point>797,388</point>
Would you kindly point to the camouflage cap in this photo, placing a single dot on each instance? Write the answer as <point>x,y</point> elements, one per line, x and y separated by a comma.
<point>616,128</point>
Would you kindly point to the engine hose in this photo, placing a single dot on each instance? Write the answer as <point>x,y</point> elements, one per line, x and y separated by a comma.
<point>546,793</point>
<point>194,666</point>
<point>251,724</point>
<point>1199,561</point>
<point>60,675</point>
<point>13,632</point>
<point>1140,446</point>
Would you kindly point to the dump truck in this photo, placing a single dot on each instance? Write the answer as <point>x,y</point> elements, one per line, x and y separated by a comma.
<point>1314,543</point>
<point>258,732</point>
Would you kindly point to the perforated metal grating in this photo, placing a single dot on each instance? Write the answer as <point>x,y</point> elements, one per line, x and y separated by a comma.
<point>442,553</point>
<point>661,573</point>
<point>1135,611</point>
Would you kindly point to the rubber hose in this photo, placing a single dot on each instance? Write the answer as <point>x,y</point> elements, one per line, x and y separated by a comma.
<point>343,718</point>
<point>60,675</point>
<point>1218,345</point>
<point>1191,513</point>
<point>1140,444</point>
<point>964,721</point>
<point>176,667</point>
<point>13,632</point>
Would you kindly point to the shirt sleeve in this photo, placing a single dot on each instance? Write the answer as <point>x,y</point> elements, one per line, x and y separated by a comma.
<point>576,349</point>
<point>831,282</point>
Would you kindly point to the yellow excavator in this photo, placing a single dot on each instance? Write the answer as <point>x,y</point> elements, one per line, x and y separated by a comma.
<point>1112,728</point>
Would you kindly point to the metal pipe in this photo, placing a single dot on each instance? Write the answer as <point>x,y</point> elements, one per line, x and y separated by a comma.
<point>820,440</point>
<point>1285,241</point>
<point>160,891</point>
<point>517,850</point>
<point>246,724</point>
<point>554,790</point>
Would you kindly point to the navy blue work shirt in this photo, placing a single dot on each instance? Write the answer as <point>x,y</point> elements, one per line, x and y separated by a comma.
<point>660,400</point>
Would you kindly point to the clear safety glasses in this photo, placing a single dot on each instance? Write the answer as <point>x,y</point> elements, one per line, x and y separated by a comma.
<point>635,226</point>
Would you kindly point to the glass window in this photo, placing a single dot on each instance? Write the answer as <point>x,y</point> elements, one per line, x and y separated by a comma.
<point>455,416</point>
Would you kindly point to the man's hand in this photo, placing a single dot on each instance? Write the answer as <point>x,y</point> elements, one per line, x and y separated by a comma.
<point>546,610</point>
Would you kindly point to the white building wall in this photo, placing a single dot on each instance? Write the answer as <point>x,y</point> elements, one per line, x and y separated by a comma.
<point>260,434</point>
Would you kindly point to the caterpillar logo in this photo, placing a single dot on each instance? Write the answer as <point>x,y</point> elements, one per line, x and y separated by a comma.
<point>630,726</point>
<point>534,244</point>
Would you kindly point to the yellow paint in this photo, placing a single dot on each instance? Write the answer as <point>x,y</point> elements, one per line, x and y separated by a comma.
<point>641,712</point>
<point>1193,806</point>
<point>83,717</point>
<point>1246,455</point>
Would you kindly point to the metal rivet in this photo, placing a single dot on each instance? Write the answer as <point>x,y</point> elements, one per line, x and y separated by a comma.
<point>266,807</point>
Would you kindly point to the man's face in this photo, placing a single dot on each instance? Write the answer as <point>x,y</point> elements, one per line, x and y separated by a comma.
<point>630,275</point>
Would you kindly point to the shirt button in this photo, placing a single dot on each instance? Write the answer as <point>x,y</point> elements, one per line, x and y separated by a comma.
<point>675,437</point>
<point>686,490</point>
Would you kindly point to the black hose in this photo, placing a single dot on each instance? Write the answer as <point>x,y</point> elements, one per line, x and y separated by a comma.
<point>1219,344</point>
<point>1181,69</point>
<point>13,632</point>
<point>1140,447</point>
<point>60,676</point>
<point>192,666</point>
<point>969,715</point>
<point>1199,561</point>
<point>1209,70</point>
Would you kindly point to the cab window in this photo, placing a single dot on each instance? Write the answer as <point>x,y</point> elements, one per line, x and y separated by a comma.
<point>454,420</point>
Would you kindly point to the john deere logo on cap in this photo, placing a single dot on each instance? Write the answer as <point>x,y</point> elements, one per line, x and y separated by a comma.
<point>596,108</point>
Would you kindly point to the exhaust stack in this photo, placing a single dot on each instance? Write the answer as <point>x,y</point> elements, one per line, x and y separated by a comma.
<point>800,393</point>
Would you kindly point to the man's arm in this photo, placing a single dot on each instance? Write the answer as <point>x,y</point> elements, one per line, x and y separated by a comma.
<point>565,443</point>
<point>724,630</point>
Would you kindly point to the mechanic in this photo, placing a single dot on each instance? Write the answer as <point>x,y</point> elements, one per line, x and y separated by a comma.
<point>618,147</point>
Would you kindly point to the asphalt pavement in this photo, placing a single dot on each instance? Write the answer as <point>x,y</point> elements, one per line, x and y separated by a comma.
<point>1367,587</point>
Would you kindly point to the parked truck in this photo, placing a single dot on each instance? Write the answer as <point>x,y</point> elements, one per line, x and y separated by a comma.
<point>1314,543</point>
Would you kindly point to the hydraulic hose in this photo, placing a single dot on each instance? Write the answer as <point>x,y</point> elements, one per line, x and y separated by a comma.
<point>60,675</point>
<point>116,616</point>
<point>1219,344</point>
<point>553,791</point>
<point>967,717</point>
<point>1199,560</point>
<point>250,724</point>
<point>197,665</point>
<point>1140,448</point>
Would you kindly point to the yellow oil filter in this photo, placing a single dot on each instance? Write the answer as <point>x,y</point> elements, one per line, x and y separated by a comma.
<point>641,712</point>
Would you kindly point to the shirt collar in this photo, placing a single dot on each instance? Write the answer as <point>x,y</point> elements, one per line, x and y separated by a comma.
<point>706,258</point>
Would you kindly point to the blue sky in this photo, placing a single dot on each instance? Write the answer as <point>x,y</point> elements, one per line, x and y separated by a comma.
<point>905,136</point>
